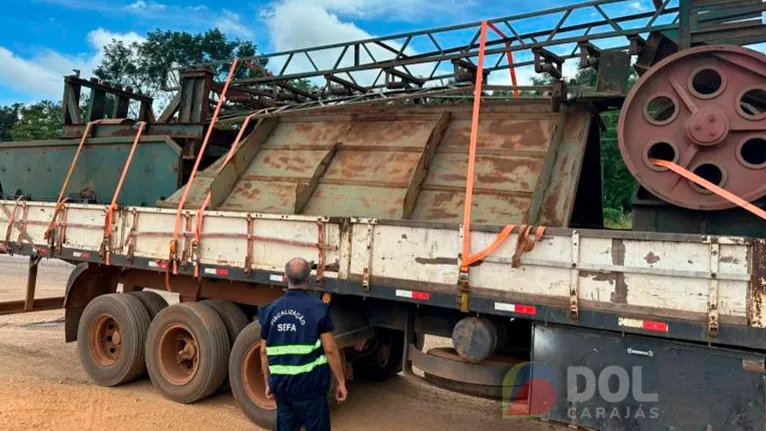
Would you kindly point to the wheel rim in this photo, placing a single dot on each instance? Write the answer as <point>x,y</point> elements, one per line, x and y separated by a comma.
<point>253,379</point>
<point>178,354</point>
<point>105,340</point>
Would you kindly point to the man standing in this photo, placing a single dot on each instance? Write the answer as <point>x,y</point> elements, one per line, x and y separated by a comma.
<point>297,331</point>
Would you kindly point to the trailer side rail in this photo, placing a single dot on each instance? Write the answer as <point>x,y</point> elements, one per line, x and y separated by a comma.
<point>682,286</point>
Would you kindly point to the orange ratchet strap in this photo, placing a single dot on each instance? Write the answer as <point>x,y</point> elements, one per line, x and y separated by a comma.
<point>109,219</point>
<point>509,55</point>
<point>176,231</point>
<point>209,196</point>
<point>524,242</point>
<point>731,197</point>
<point>60,199</point>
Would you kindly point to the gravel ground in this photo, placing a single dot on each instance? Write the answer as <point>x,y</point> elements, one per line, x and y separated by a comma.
<point>42,386</point>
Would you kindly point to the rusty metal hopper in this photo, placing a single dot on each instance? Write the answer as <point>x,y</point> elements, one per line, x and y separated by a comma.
<point>406,163</point>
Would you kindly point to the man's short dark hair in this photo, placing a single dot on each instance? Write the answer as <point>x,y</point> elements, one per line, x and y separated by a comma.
<point>298,271</point>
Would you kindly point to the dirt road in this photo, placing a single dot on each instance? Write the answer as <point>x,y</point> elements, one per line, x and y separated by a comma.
<point>43,387</point>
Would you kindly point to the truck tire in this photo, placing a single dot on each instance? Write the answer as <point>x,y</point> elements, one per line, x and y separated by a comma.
<point>153,302</point>
<point>247,381</point>
<point>234,319</point>
<point>187,349</point>
<point>111,337</point>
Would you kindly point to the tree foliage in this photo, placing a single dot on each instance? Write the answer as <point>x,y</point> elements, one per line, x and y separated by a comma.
<point>38,121</point>
<point>9,116</point>
<point>145,65</point>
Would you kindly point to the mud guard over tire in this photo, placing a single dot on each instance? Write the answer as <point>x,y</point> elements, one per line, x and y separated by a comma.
<point>86,282</point>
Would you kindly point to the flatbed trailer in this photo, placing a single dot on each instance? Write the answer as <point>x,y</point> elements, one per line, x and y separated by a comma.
<point>700,294</point>
<point>422,217</point>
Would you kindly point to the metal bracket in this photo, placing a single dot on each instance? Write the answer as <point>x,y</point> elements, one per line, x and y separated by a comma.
<point>131,240</point>
<point>712,313</point>
<point>465,71</point>
<point>589,55</point>
<point>321,252</point>
<point>574,290</point>
<point>367,274</point>
<point>463,282</point>
<point>249,251</point>
<point>23,227</point>
<point>547,62</point>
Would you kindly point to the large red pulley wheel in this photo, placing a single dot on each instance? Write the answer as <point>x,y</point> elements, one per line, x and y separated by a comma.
<point>704,109</point>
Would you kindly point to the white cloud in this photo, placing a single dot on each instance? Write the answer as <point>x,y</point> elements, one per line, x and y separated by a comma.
<point>231,24</point>
<point>41,76</point>
<point>638,6</point>
<point>392,9</point>
<point>141,6</point>
<point>304,23</point>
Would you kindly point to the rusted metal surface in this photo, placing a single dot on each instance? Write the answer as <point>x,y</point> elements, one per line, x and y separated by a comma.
<point>37,169</point>
<point>29,303</point>
<point>180,131</point>
<point>474,338</point>
<point>40,304</point>
<point>757,294</point>
<point>242,293</point>
<point>445,363</point>
<point>704,110</point>
<point>561,188</point>
<point>411,163</point>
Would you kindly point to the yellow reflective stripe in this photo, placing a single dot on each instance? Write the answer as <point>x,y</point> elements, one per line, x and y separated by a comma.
<point>294,349</point>
<point>292,370</point>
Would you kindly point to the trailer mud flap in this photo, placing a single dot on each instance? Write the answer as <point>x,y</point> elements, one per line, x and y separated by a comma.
<point>86,281</point>
<point>607,381</point>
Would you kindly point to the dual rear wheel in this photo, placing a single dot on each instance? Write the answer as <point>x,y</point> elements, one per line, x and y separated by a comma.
<point>189,348</point>
<point>185,347</point>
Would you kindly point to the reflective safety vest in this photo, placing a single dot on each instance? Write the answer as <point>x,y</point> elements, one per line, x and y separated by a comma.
<point>291,327</point>
<point>297,349</point>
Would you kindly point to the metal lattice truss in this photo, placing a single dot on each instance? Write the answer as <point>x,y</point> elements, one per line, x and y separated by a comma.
<point>539,41</point>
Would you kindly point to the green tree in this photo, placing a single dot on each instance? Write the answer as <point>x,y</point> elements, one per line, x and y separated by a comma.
<point>9,116</point>
<point>145,65</point>
<point>619,183</point>
<point>41,120</point>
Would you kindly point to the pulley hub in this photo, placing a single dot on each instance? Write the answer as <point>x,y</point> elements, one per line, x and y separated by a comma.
<point>704,109</point>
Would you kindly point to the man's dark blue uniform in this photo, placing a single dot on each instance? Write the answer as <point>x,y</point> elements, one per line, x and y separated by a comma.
<point>299,374</point>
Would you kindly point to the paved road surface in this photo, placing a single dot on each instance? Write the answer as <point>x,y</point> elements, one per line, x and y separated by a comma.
<point>43,387</point>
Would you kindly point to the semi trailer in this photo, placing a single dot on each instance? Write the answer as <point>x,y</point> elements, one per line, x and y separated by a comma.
<point>441,205</point>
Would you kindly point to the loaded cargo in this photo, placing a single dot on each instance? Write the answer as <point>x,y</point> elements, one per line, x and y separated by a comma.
<point>436,205</point>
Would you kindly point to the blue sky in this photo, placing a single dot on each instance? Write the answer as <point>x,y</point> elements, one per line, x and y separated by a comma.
<point>42,40</point>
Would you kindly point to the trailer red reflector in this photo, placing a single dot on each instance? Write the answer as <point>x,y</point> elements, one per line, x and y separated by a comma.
<point>647,325</point>
<point>655,326</point>
<point>413,294</point>
<point>516,308</point>
<point>82,255</point>
<point>221,272</point>
<point>159,264</point>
